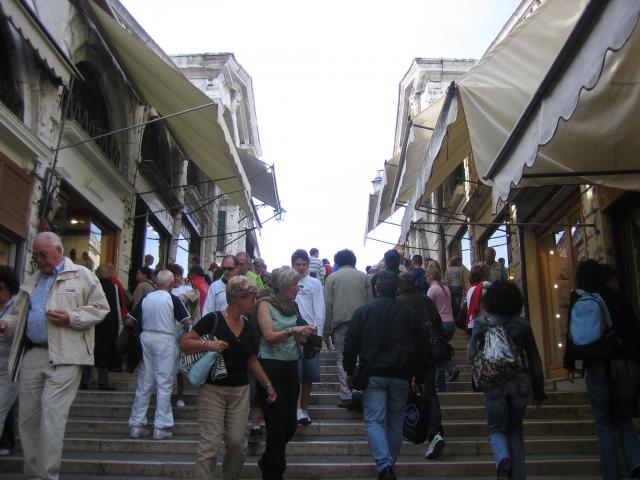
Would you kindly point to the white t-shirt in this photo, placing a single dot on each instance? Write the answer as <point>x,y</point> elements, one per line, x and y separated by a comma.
<point>159,311</point>
<point>310,300</point>
<point>216,298</point>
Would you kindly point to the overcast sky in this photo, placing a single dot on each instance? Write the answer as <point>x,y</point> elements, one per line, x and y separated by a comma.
<point>325,79</point>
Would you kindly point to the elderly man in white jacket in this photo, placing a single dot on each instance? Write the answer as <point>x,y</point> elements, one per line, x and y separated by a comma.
<point>52,319</point>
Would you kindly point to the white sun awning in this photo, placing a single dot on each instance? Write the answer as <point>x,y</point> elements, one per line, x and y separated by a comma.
<point>201,134</point>
<point>480,112</point>
<point>33,31</point>
<point>585,125</point>
<point>262,178</point>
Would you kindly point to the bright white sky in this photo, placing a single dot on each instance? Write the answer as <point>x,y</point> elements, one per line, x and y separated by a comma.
<point>325,79</point>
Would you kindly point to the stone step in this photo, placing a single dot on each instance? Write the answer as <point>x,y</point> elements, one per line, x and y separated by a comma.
<point>327,398</point>
<point>334,467</point>
<point>340,428</point>
<point>16,476</point>
<point>332,412</point>
<point>323,446</point>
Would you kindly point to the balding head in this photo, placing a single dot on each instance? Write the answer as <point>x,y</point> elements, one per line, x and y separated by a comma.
<point>165,280</point>
<point>47,251</point>
<point>244,262</point>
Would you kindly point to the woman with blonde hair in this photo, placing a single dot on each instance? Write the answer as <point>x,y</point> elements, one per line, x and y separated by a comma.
<point>277,317</point>
<point>223,405</point>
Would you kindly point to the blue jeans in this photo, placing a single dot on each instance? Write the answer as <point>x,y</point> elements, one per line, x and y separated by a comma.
<point>624,377</point>
<point>385,402</point>
<point>505,407</point>
<point>450,366</point>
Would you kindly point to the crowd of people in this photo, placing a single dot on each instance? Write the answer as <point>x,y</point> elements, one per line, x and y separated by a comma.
<point>268,327</point>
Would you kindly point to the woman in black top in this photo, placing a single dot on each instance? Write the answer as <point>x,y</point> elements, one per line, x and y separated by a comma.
<point>223,405</point>
<point>612,385</point>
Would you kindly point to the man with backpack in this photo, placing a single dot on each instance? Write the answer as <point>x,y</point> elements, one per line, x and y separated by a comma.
<point>603,332</point>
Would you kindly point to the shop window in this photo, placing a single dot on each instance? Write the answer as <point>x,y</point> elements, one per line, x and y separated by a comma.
<point>85,232</point>
<point>465,250</point>
<point>182,251</point>
<point>153,245</point>
<point>500,242</point>
<point>89,110</point>
<point>561,248</point>
<point>8,251</point>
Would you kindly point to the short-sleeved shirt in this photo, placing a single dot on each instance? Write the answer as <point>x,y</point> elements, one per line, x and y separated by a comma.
<point>240,348</point>
<point>159,311</point>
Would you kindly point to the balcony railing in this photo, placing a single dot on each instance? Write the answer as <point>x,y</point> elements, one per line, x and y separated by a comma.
<point>11,99</point>
<point>79,113</point>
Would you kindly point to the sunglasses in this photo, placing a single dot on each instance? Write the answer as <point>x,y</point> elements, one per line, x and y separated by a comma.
<point>228,269</point>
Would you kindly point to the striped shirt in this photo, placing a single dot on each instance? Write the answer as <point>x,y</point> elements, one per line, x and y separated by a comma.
<point>37,318</point>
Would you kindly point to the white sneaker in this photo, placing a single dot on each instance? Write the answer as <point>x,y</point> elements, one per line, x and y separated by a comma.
<point>180,403</point>
<point>138,431</point>
<point>162,434</point>
<point>435,447</point>
<point>303,417</point>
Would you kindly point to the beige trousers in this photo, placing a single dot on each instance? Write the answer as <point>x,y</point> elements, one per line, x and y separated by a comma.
<point>46,393</point>
<point>222,419</point>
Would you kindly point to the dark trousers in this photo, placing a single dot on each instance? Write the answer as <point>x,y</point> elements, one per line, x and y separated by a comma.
<point>8,438</point>
<point>435,415</point>
<point>279,416</point>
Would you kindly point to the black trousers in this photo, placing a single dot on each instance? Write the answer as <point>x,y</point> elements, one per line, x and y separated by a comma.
<point>435,415</point>
<point>279,416</point>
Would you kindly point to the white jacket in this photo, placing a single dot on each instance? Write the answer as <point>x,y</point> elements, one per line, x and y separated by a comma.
<point>76,290</point>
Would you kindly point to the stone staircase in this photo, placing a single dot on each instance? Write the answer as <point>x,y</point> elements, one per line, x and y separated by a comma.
<point>560,438</point>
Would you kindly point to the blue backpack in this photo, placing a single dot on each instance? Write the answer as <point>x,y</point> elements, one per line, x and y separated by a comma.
<point>591,333</point>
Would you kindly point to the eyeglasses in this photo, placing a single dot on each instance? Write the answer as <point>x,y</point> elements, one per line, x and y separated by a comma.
<point>39,254</point>
<point>228,269</point>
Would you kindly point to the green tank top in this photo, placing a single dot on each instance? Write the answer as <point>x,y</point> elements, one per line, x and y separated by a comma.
<point>286,350</point>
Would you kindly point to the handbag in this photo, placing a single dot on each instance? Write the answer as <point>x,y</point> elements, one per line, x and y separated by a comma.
<point>197,366</point>
<point>310,346</point>
<point>461,319</point>
<point>441,351</point>
<point>362,372</point>
<point>416,418</point>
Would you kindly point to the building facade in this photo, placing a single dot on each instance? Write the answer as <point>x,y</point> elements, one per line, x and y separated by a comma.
<point>84,154</point>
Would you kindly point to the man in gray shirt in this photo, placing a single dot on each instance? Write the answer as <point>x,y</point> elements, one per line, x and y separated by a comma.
<point>344,291</point>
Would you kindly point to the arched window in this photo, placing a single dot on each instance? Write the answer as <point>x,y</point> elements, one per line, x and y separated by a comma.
<point>155,149</point>
<point>8,93</point>
<point>89,109</point>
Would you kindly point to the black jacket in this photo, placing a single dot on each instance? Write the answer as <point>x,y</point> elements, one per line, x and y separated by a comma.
<point>415,301</point>
<point>402,353</point>
<point>520,331</point>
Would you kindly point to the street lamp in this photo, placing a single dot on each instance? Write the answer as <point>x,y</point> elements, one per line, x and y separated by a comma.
<point>377,182</point>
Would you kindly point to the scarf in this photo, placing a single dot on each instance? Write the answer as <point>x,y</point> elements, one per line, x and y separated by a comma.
<point>285,307</point>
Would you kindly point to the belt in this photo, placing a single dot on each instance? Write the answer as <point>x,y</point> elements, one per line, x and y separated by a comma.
<point>28,344</point>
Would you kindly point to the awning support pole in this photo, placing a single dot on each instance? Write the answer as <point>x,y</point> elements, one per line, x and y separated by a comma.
<point>406,246</point>
<point>186,185</point>
<point>524,224</point>
<point>137,125</point>
<point>592,173</point>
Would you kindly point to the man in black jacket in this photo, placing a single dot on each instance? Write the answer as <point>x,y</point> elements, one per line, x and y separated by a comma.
<point>426,311</point>
<point>387,337</point>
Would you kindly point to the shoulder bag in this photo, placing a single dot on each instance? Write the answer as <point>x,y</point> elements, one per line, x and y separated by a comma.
<point>197,366</point>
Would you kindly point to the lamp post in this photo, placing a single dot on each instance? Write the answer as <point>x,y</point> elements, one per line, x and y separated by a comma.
<point>377,182</point>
